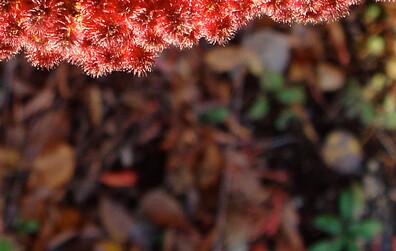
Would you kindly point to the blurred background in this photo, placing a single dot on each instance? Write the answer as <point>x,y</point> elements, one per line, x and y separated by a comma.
<point>284,139</point>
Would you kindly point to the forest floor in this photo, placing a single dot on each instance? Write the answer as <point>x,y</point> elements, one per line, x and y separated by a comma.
<point>284,139</point>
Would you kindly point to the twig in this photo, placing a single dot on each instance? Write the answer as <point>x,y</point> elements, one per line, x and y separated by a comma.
<point>238,86</point>
<point>221,219</point>
<point>13,197</point>
<point>7,80</point>
<point>387,143</point>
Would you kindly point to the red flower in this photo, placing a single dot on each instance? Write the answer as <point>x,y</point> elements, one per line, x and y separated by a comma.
<point>103,36</point>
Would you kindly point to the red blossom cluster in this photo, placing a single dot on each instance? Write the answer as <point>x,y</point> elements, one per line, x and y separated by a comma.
<point>103,36</point>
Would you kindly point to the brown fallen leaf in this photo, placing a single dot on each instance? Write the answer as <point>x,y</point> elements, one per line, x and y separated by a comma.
<point>95,104</point>
<point>289,227</point>
<point>208,171</point>
<point>9,158</point>
<point>42,101</point>
<point>116,219</point>
<point>53,168</point>
<point>329,77</point>
<point>68,218</point>
<point>223,59</point>
<point>107,245</point>
<point>162,209</point>
<point>61,238</point>
<point>46,132</point>
<point>245,186</point>
<point>175,240</point>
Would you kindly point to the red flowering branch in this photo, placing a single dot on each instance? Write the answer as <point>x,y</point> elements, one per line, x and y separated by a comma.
<point>103,36</point>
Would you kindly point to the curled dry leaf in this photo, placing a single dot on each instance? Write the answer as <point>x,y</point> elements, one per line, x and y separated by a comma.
<point>53,168</point>
<point>162,209</point>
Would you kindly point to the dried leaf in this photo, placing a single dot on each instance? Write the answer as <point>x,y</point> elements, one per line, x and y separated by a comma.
<point>68,218</point>
<point>53,168</point>
<point>245,185</point>
<point>164,210</point>
<point>47,131</point>
<point>61,238</point>
<point>42,101</point>
<point>210,167</point>
<point>224,59</point>
<point>289,225</point>
<point>116,219</point>
<point>87,185</point>
<point>107,245</point>
<point>9,158</point>
<point>329,77</point>
<point>95,103</point>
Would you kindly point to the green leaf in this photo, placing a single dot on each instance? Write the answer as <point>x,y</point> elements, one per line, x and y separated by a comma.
<point>359,201</point>
<point>389,120</point>
<point>215,115</point>
<point>5,245</point>
<point>328,245</point>
<point>351,203</point>
<point>284,118</point>
<point>351,245</point>
<point>367,229</point>
<point>272,81</point>
<point>346,204</point>
<point>367,113</point>
<point>373,11</point>
<point>28,226</point>
<point>376,45</point>
<point>321,246</point>
<point>329,224</point>
<point>292,95</point>
<point>352,99</point>
<point>259,109</point>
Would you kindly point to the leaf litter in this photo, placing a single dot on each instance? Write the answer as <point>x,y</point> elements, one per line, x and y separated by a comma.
<point>219,148</point>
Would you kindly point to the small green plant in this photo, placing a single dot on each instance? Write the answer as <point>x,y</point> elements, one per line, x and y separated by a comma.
<point>372,104</point>
<point>348,230</point>
<point>5,244</point>
<point>27,226</point>
<point>272,84</point>
<point>215,115</point>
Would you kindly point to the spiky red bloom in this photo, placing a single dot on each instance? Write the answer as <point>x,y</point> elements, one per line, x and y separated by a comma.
<point>103,36</point>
